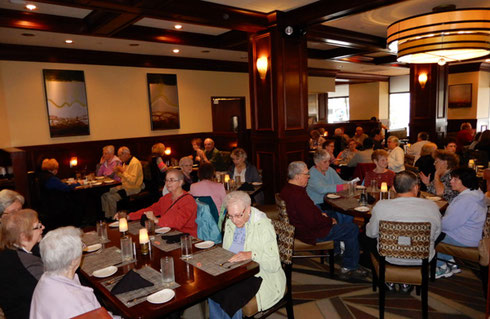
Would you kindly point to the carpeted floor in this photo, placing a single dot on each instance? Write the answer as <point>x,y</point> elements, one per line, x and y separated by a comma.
<point>317,296</point>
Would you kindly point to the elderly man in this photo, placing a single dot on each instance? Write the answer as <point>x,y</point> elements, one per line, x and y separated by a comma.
<point>10,201</point>
<point>359,136</point>
<point>378,136</point>
<point>465,136</point>
<point>313,226</point>
<point>211,155</point>
<point>396,156</point>
<point>406,207</point>
<point>131,174</point>
<point>416,148</point>
<point>108,162</point>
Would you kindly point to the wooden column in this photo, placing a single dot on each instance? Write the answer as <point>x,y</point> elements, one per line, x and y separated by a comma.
<point>428,103</point>
<point>279,104</point>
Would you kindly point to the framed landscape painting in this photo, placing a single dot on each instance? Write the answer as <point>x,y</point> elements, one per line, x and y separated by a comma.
<point>459,95</point>
<point>66,100</point>
<point>164,101</point>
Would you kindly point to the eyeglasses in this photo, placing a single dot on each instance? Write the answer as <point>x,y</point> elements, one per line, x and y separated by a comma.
<point>233,217</point>
<point>171,180</point>
<point>39,226</point>
<point>308,174</point>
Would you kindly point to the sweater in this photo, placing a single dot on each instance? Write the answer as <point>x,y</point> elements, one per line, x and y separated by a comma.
<point>320,184</point>
<point>132,177</point>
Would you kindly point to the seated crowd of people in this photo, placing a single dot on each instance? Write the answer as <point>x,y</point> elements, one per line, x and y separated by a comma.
<point>38,274</point>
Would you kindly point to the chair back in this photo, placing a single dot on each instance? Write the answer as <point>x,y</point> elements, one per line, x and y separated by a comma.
<point>409,159</point>
<point>207,229</point>
<point>404,239</point>
<point>486,227</point>
<point>281,204</point>
<point>362,168</point>
<point>99,313</point>
<point>285,240</point>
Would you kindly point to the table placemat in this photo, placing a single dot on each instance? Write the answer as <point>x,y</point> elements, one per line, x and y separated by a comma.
<point>162,244</point>
<point>150,274</point>
<point>345,202</point>
<point>210,260</point>
<point>91,238</point>
<point>103,258</point>
<point>134,227</point>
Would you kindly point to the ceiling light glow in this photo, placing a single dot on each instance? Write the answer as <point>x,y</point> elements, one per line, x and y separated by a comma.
<point>68,41</point>
<point>175,50</point>
<point>31,6</point>
<point>178,26</point>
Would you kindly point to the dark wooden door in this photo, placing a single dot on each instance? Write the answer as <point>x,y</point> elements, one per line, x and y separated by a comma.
<point>228,114</point>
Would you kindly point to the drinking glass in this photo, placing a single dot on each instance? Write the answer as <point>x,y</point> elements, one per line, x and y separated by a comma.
<point>374,186</point>
<point>352,188</point>
<point>167,267</point>
<point>186,246</point>
<point>238,180</point>
<point>126,248</point>
<point>150,227</point>
<point>102,230</point>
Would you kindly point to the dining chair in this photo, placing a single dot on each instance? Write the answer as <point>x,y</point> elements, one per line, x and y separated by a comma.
<point>285,241</point>
<point>361,170</point>
<point>304,250</point>
<point>99,313</point>
<point>407,240</point>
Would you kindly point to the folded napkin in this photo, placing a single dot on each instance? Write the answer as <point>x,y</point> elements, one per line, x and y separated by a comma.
<point>173,239</point>
<point>246,187</point>
<point>131,281</point>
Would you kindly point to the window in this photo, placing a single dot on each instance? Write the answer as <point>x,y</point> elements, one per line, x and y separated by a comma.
<point>399,110</point>
<point>338,109</point>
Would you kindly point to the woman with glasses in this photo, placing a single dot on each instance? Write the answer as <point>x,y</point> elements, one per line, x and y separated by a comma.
<point>444,162</point>
<point>249,234</point>
<point>190,176</point>
<point>20,268</point>
<point>177,209</point>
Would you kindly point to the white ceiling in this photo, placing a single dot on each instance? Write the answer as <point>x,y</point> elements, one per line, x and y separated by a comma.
<point>344,66</point>
<point>187,27</point>
<point>45,8</point>
<point>265,6</point>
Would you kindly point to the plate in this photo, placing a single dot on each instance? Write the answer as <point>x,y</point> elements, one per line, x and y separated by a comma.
<point>92,248</point>
<point>161,296</point>
<point>108,181</point>
<point>256,183</point>
<point>360,187</point>
<point>162,230</point>
<point>97,183</point>
<point>434,198</point>
<point>105,272</point>
<point>205,244</point>
<point>99,177</point>
<point>333,196</point>
<point>114,224</point>
<point>362,209</point>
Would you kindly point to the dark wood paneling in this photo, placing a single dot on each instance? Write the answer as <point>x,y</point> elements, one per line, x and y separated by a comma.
<point>267,161</point>
<point>323,107</point>
<point>454,125</point>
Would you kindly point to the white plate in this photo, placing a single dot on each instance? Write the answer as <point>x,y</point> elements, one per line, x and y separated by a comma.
<point>434,198</point>
<point>362,209</point>
<point>360,187</point>
<point>205,244</point>
<point>333,196</point>
<point>92,248</point>
<point>256,183</point>
<point>162,230</point>
<point>97,183</point>
<point>114,224</point>
<point>105,272</point>
<point>161,296</point>
<point>99,177</point>
<point>108,181</point>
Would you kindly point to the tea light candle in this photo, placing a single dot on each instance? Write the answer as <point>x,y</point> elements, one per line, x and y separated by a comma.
<point>471,163</point>
<point>227,178</point>
<point>123,225</point>
<point>384,187</point>
<point>144,236</point>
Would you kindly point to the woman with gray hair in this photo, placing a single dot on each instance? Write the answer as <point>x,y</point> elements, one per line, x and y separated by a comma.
<point>108,162</point>
<point>250,235</point>
<point>10,201</point>
<point>396,156</point>
<point>59,293</point>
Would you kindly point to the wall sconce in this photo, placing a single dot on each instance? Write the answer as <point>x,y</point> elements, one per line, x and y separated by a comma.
<point>422,79</point>
<point>168,151</point>
<point>262,64</point>
<point>73,162</point>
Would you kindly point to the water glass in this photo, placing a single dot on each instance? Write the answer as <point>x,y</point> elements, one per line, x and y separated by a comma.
<point>186,246</point>
<point>238,180</point>
<point>352,188</point>
<point>150,227</point>
<point>167,267</point>
<point>102,230</point>
<point>126,248</point>
<point>374,186</point>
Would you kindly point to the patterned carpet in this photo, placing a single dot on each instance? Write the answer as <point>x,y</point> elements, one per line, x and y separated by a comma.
<point>317,296</point>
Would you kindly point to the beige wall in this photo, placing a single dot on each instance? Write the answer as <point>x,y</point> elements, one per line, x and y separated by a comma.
<point>463,78</point>
<point>367,100</point>
<point>320,84</point>
<point>117,101</point>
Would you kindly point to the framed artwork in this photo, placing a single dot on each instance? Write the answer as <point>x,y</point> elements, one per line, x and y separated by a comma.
<point>164,101</point>
<point>459,95</point>
<point>66,100</point>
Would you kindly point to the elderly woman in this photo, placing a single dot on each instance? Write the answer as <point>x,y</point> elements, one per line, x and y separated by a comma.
<point>396,156</point>
<point>10,201</point>
<point>464,218</point>
<point>190,176</point>
<point>329,146</point>
<point>240,167</point>
<point>381,173</point>
<point>207,187</point>
<point>48,178</point>
<point>177,209</point>
<point>158,170</point>
<point>250,235</point>
<point>20,269</point>
<point>107,163</point>
<point>445,162</point>
<point>425,163</point>
<point>59,293</point>
<point>316,140</point>
<point>346,155</point>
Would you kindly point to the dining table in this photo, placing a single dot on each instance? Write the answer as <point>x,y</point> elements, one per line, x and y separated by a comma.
<point>193,279</point>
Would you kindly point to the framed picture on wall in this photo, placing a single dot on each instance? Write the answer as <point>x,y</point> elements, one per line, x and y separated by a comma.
<point>459,95</point>
<point>66,101</point>
<point>164,101</point>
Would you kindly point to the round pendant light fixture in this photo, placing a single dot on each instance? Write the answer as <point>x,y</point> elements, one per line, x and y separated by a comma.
<point>441,37</point>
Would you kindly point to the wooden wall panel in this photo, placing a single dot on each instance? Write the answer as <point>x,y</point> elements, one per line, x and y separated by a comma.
<point>262,108</point>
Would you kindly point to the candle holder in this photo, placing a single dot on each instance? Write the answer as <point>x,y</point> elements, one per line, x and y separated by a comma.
<point>145,248</point>
<point>123,227</point>
<point>144,241</point>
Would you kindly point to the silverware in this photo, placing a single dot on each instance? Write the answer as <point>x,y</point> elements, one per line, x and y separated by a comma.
<point>142,297</point>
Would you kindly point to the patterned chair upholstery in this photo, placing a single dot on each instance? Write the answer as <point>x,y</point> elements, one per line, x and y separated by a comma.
<point>402,240</point>
<point>285,242</point>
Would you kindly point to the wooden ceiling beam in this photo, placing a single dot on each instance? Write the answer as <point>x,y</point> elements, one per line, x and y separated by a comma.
<point>347,39</point>
<point>40,22</point>
<point>108,23</point>
<point>336,53</point>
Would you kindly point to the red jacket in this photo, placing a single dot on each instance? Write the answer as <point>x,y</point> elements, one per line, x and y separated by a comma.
<point>180,216</point>
<point>305,215</point>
